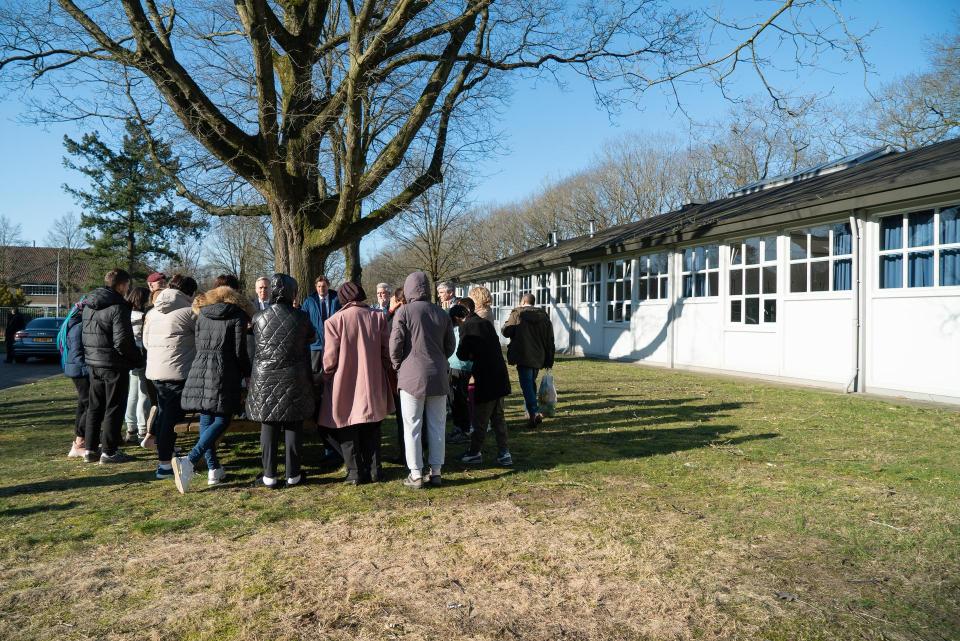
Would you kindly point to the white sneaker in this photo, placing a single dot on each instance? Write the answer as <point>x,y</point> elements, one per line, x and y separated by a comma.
<point>76,452</point>
<point>182,473</point>
<point>215,476</point>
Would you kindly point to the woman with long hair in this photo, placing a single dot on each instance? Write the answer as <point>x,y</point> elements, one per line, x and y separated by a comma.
<point>138,397</point>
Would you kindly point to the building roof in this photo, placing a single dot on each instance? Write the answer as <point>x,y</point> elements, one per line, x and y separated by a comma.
<point>38,266</point>
<point>882,179</point>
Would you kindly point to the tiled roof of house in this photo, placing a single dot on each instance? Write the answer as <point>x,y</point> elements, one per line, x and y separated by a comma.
<point>892,171</point>
<point>38,266</point>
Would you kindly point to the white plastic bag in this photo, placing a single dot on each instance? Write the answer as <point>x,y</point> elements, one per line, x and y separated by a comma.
<point>547,394</point>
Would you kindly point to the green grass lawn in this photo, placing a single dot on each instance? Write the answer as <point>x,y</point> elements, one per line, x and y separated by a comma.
<point>656,505</point>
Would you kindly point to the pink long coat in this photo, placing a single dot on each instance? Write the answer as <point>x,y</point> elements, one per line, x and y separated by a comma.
<point>356,358</point>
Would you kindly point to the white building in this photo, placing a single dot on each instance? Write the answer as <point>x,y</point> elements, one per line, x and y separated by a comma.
<point>845,276</point>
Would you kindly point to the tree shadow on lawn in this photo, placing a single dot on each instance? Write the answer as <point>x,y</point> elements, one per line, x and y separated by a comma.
<point>40,508</point>
<point>68,483</point>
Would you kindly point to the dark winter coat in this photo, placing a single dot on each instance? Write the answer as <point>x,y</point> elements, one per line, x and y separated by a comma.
<point>221,361</point>
<point>479,344</point>
<point>531,338</point>
<point>74,364</point>
<point>281,386</point>
<point>107,333</point>
<point>421,341</point>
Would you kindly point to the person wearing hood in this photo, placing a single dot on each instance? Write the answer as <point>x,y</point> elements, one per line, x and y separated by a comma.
<point>110,353</point>
<point>168,336</point>
<point>531,349</point>
<point>70,344</point>
<point>420,343</point>
<point>358,395</point>
<point>214,383</point>
<point>280,395</point>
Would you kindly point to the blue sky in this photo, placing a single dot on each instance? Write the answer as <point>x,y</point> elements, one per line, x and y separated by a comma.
<point>548,132</point>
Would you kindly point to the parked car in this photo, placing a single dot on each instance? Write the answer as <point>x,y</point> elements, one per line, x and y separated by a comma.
<point>37,339</point>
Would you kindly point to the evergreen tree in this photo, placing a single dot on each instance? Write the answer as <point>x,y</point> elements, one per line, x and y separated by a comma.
<point>129,211</point>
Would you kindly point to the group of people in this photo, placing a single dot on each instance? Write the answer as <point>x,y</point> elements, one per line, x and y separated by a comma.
<point>145,356</point>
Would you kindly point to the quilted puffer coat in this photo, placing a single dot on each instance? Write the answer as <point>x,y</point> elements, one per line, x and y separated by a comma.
<point>168,337</point>
<point>221,362</point>
<point>107,333</point>
<point>281,385</point>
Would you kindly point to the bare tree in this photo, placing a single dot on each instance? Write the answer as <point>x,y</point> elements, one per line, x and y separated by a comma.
<point>314,105</point>
<point>68,237</point>
<point>11,235</point>
<point>242,246</point>
<point>921,108</point>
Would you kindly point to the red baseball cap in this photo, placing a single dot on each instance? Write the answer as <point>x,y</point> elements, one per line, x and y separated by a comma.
<point>156,276</point>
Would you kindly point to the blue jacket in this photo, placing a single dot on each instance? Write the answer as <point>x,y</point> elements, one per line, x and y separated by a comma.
<point>319,311</point>
<point>72,358</point>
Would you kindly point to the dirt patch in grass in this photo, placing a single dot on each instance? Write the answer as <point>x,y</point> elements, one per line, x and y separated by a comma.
<point>478,572</point>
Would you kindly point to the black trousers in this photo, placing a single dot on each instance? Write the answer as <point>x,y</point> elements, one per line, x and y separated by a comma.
<point>270,446</point>
<point>8,342</point>
<point>488,412</point>
<point>83,401</point>
<point>107,405</point>
<point>169,413</point>
<point>459,407</point>
<point>359,445</point>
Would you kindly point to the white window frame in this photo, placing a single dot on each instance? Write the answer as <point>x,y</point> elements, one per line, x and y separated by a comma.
<point>905,250</point>
<point>542,291</point>
<point>561,283</point>
<point>524,285</point>
<point>646,280</point>
<point>618,306</point>
<point>830,259</point>
<point>687,272</point>
<point>594,285</point>
<point>24,286</point>
<point>737,249</point>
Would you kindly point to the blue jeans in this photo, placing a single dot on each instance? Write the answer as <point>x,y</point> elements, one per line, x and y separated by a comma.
<point>528,384</point>
<point>212,427</point>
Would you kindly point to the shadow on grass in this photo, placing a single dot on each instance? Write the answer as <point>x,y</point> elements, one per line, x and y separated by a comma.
<point>76,483</point>
<point>38,509</point>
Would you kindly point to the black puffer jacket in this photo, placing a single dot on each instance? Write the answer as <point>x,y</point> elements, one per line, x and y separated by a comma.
<point>281,386</point>
<point>107,333</point>
<point>479,344</point>
<point>221,361</point>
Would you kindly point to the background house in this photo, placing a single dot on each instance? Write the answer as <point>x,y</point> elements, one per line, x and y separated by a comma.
<point>35,270</point>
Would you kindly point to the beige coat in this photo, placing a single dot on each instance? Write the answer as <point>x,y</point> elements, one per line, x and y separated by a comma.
<point>355,363</point>
<point>168,337</point>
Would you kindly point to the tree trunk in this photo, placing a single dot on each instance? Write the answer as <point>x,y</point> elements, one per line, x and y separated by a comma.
<point>354,270</point>
<point>293,254</point>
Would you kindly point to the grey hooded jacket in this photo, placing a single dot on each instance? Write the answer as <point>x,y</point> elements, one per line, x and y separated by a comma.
<point>421,341</point>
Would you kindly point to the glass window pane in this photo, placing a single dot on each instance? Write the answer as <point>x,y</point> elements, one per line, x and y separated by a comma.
<point>842,275</point>
<point>920,228</point>
<point>842,239</point>
<point>950,225</point>
<point>689,262</point>
<point>770,280</point>
<point>891,271</point>
<point>769,248</point>
<point>770,310</point>
<point>626,312</point>
<point>699,259</point>
<point>735,311</point>
<point>820,276</point>
<point>642,289</point>
<point>798,277</point>
<point>713,288</point>
<point>752,251</point>
<point>752,311</point>
<point>819,242</point>
<point>736,257</point>
<point>713,256</point>
<point>920,269</point>
<point>736,282</point>
<point>610,293</point>
<point>663,287</point>
<point>687,286</point>
<point>752,278</point>
<point>950,267</point>
<point>891,233</point>
<point>798,244</point>
<point>700,284</point>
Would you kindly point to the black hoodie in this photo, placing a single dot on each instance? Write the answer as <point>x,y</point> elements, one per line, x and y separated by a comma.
<point>107,333</point>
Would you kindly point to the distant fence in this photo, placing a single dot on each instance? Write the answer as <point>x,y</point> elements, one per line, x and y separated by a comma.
<point>28,312</point>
